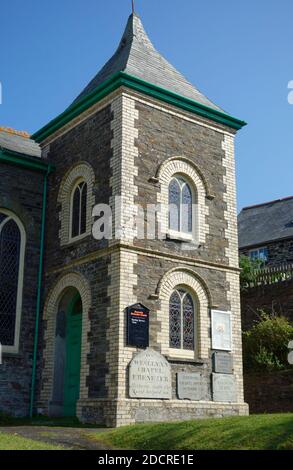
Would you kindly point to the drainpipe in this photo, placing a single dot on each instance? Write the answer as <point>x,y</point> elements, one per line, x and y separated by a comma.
<point>39,295</point>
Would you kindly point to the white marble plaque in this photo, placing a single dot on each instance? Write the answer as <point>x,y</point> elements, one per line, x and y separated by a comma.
<point>190,386</point>
<point>150,376</point>
<point>221,330</point>
<point>224,388</point>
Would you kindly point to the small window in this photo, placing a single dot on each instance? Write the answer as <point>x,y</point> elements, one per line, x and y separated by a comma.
<point>79,210</point>
<point>259,254</point>
<point>181,320</point>
<point>11,276</point>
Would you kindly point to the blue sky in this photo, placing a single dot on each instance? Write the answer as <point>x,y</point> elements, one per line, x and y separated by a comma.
<point>238,53</point>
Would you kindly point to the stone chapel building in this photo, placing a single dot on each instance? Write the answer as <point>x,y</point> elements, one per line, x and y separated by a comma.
<point>139,131</point>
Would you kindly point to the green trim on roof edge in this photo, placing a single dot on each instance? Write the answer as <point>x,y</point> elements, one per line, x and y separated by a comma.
<point>134,83</point>
<point>25,161</point>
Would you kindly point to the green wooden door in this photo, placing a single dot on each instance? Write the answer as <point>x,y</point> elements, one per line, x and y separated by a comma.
<point>73,356</point>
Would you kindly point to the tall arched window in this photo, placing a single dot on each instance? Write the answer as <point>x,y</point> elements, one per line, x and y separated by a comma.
<point>79,209</point>
<point>181,320</point>
<point>12,245</point>
<point>180,207</point>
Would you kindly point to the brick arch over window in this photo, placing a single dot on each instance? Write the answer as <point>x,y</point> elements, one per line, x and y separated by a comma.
<point>70,280</point>
<point>82,171</point>
<point>187,278</point>
<point>185,167</point>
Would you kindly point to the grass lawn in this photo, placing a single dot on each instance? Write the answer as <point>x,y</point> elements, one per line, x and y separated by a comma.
<point>256,432</point>
<point>13,442</point>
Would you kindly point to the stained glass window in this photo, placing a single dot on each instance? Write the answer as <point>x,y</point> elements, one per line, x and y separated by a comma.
<point>79,210</point>
<point>180,206</point>
<point>10,243</point>
<point>181,320</point>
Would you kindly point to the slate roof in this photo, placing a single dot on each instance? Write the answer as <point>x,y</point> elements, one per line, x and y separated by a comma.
<point>266,222</point>
<point>20,144</point>
<point>137,56</point>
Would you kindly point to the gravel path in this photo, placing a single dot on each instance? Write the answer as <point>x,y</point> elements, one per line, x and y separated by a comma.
<point>69,438</point>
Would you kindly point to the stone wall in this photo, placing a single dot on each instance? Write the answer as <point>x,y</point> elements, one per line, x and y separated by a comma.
<point>274,299</point>
<point>21,192</point>
<point>270,392</point>
<point>83,151</point>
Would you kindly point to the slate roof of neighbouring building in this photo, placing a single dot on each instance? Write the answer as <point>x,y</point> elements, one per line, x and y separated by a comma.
<point>137,56</point>
<point>24,145</point>
<point>266,222</point>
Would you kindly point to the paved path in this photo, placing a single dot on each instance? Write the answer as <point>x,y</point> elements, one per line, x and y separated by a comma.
<point>70,438</point>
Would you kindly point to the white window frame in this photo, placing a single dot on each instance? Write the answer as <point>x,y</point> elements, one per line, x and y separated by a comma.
<point>257,250</point>
<point>192,236</point>
<point>11,216</point>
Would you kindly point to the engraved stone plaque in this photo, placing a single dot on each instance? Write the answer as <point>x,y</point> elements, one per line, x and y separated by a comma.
<point>223,363</point>
<point>150,376</point>
<point>221,330</point>
<point>190,386</point>
<point>224,388</point>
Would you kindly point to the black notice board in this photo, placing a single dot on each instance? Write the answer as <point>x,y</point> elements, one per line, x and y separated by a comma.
<point>138,326</point>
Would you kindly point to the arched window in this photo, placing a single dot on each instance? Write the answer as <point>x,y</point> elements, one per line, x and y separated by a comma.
<point>12,243</point>
<point>180,207</point>
<point>79,209</point>
<point>181,320</point>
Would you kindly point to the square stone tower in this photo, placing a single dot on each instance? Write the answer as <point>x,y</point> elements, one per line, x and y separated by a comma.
<point>141,139</point>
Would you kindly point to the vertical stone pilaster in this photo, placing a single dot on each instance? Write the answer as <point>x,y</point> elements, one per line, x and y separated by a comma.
<point>231,232</point>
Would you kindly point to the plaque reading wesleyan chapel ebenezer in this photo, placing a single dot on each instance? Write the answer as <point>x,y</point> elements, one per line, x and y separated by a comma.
<point>150,376</point>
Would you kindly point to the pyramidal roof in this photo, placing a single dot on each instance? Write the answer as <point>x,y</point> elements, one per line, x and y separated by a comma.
<point>137,56</point>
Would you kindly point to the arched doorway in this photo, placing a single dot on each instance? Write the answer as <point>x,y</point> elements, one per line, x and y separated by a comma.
<point>67,355</point>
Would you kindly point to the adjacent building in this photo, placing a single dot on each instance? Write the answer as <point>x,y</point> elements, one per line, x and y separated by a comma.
<point>266,232</point>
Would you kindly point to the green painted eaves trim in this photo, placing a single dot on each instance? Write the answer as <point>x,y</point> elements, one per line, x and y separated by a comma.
<point>24,161</point>
<point>134,83</point>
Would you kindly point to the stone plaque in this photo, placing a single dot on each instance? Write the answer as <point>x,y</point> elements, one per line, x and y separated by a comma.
<point>150,376</point>
<point>223,363</point>
<point>221,330</point>
<point>190,386</point>
<point>224,388</point>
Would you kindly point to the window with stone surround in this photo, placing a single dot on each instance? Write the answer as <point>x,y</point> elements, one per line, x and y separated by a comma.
<point>78,209</point>
<point>182,209</point>
<point>184,187</point>
<point>76,200</point>
<point>12,248</point>
<point>181,320</point>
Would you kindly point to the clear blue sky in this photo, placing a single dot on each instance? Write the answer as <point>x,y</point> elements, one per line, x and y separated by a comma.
<point>238,53</point>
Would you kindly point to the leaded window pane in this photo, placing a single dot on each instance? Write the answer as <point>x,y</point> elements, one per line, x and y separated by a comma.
<point>10,240</point>
<point>181,320</point>
<point>186,209</point>
<point>174,205</point>
<point>175,321</point>
<point>188,323</point>
<point>83,208</point>
<point>75,212</point>
<point>79,209</point>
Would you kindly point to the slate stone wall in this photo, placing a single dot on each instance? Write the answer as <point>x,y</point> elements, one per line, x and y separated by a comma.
<point>269,392</point>
<point>273,299</point>
<point>21,191</point>
<point>162,136</point>
<point>89,141</point>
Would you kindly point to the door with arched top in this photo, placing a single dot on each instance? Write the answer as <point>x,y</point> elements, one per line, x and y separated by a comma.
<point>73,356</point>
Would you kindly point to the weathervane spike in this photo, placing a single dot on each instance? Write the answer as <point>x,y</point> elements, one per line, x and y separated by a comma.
<point>133,7</point>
